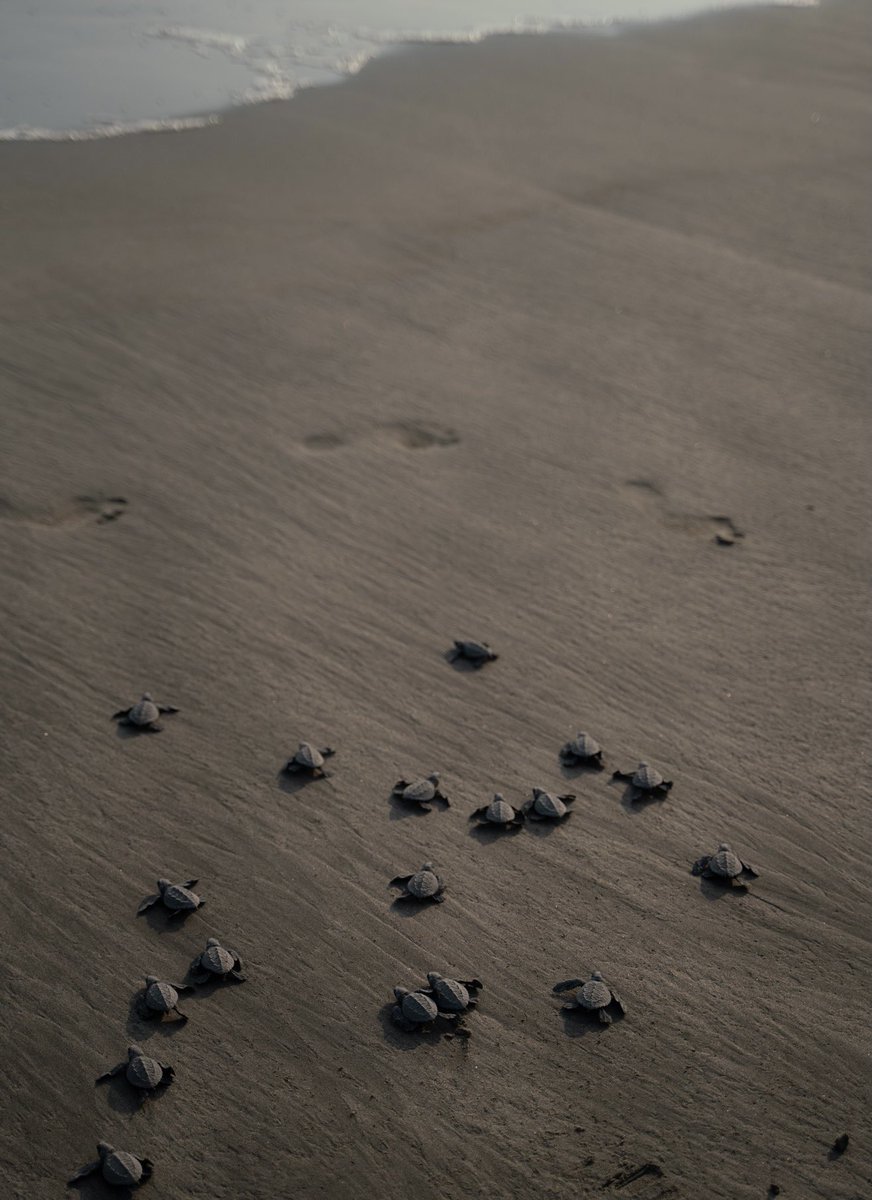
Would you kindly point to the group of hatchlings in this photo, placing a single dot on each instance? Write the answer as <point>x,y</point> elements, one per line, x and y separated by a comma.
<point>417,1010</point>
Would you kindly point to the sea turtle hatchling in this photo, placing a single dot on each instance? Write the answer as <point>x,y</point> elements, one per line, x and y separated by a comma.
<point>593,996</point>
<point>645,781</point>
<point>177,897</point>
<point>477,653</point>
<point>119,1168</point>
<point>544,806</point>
<point>159,998</point>
<point>416,1012</point>
<point>422,792</point>
<point>451,995</point>
<point>422,886</point>
<point>144,715</point>
<point>141,1071</point>
<point>216,962</point>
<point>725,867</point>
<point>498,814</point>
<point>308,758</point>
<point>582,751</point>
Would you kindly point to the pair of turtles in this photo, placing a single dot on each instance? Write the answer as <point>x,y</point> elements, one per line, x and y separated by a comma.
<point>144,1073</point>
<point>144,715</point>
<point>542,806</point>
<point>214,964</point>
<point>309,760</point>
<point>593,997</point>
<point>417,1011</point>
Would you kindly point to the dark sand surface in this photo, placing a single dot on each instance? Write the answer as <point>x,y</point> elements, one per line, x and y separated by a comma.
<point>477,344</point>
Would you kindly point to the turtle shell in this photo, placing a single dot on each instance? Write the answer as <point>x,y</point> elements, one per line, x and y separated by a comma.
<point>308,756</point>
<point>584,746</point>
<point>419,1008</point>
<point>144,1072</point>
<point>474,649</point>
<point>121,1168</point>
<point>217,960</point>
<point>144,712</point>
<point>594,995</point>
<point>548,806</point>
<point>451,995</point>
<point>421,791</point>
<point>500,812</point>
<point>725,863</point>
<point>647,778</point>
<point>161,997</point>
<point>423,884</point>
<point>177,897</point>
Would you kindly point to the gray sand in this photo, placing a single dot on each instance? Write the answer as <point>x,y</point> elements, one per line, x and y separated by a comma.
<point>478,344</point>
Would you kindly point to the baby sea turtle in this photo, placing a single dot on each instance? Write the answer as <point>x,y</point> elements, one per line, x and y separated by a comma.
<point>477,653</point>
<point>582,751</point>
<point>423,885</point>
<point>645,780</point>
<point>422,792</point>
<point>144,714</point>
<point>159,997</point>
<point>141,1071</point>
<point>546,807</point>
<point>216,962</point>
<point>119,1168</point>
<point>307,758</point>
<point>593,996</point>
<point>725,867</point>
<point>177,897</point>
<point>451,995</point>
<point>416,1012</point>
<point>498,813</point>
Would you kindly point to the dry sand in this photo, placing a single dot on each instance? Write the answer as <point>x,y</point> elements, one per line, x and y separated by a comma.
<point>478,344</point>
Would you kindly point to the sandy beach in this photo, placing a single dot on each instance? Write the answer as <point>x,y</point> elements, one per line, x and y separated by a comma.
<point>491,341</point>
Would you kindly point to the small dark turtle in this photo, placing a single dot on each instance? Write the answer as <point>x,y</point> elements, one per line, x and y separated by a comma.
<point>414,1011</point>
<point>144,714</point>
<point>477,653</point>
<point>177,897</point>
<point>547,807</point>
<point>216,962</point>
<point>309,759</point>
<point>119,1168</point>
<point>498,813</point>
<point>423,885</point>
<point>839,1146</point>
<point>159,998</point>
<point>451,995</point>
<point>646,781</point>
<point>141,1071</point>
<point>724,866</point>
<point>582,751</point>
<point>422,792</point>
<point>593,996</point>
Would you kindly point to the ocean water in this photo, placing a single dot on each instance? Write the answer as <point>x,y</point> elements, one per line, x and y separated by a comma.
<point>98,68</point>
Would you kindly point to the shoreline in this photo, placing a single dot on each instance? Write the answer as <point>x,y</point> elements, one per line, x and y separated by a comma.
<point>494,341</point>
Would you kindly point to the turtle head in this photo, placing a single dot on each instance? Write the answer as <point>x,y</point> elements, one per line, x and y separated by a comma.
<point>499,796</point>
<point>723,846</point>
<point>433,977</point>
<point>103,1148</point>
<point>401,993</point>
<point>133,1051</point>
<point>146,696</point>
<point>596,975</point>
<point>434,777</point>
<point>212,942</point>
<point>150,979</point>
<point>428,866</point>
<point>539,792</point>
<point>163,884</point>
<point>642,766</point>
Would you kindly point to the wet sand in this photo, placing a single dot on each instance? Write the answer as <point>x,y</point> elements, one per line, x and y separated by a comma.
<point>491,341</point>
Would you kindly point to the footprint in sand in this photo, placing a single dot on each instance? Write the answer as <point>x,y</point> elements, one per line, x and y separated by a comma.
<point>411,435</point>
<point>97,508</point>
<point>720,529</point>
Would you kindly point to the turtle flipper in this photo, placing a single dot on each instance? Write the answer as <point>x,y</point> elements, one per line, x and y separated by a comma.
<point>738,883</point>
<point>626,776</point>
<point>122,715</point>
<point>167,708</point>
<point>328,751</point>
<point>478,815</point>
<point>111,1074</point>
<point>200,977</point>
<point>190,883</point>
<point>567,985</point>
<point>749,870</point>
<point>400,786</point>
<point>438,897</point>
<point>237,961</point>
<point>152,728</point>
<point>471,984</point>
<point>235,976</point>
<point>182,987</point>
<point>699,867</point>
<point>84,1172</point>
<point>441,796</point>
<point>148,903</point>
<point>147,1168</point>
<point>182,1016</point>
<point>616,999</point>
<point>604,1017</point>
<point>400,881</point>
<point>569,798</point>
<point>168,1074</point>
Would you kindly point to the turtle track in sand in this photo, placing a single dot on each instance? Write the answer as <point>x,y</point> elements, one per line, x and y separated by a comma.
<point>650,495</point>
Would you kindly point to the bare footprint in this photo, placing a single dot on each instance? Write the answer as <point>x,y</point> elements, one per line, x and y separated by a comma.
<point>98,508</point>
<point>720,529</point>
